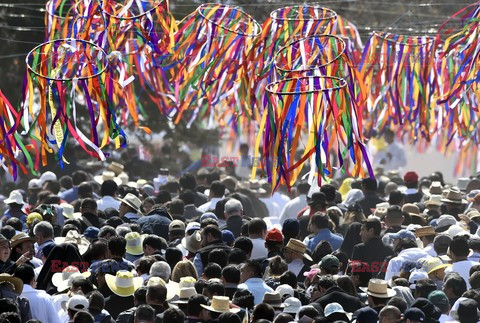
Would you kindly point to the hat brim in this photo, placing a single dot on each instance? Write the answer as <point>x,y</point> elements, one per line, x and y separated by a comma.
<point>462,201</point>
<point>123,291</point>
<point>14,244</point>
<point>16,282</point>
<point>129,204</point>
<point>74,215</point>
<point>61,284</point>
<point>231,310</point>
<point>173,289</point>
<point>136,251</point>
<point>434,269</point>
<point>305,255</point>
<point>390,293</point>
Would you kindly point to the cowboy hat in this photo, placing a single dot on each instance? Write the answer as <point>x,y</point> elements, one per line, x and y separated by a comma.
<point>123,284</point>
<point>19,239</point>
<point>192,242</point>
<point>425,231</point>
<point>173,288</point>
<point>64,279</point>
<point>434,200</point>
<point>298,247</point>
<point>378,288</point>
<point>274,299</point>
<point>134,243</point>
<point>454,196</point>
<point>185,294</point>
<point>132,201</point>
<point>68,211</point>
<point>116,168</point>
<point>15,197</point>
<point>16,282</point>
<point>105,176</point>
<point>75,238</point>
<point>220,304</point>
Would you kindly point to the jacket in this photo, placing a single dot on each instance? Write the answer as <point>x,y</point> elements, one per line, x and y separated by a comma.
<point>234,224</point>
<point>363,252</point>
<point>156,223</point>
<point>205,251</point>
<point>349,302</point>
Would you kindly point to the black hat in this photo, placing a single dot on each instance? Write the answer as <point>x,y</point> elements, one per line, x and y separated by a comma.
<point>468,311</point>
<point>414,314</point>
<point>432,313</point>
<point>317,198</point>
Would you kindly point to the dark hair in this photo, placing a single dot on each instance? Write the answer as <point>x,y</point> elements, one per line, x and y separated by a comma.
<point>84,284</point>
<point>474,280</point>
<point>117,246</point>
<point>217,188</point>
<point>346,283</point>
<point>173,256</point>
<point>228,317</point>
<point>83,317</point>
<point>8,231</point>
<point>320,220</point>
<point>25,273</point>
<point>213,176</point>
<point>375,225</point>
<point>154,241</point>
<point>194,305</point>
<point>68,227</point>
<point>214,231</point>
<point>164,196</point>
<point>215,288</point>
<point>208,222</point>
<point>424,287</point>
<point>459,246</point>
<point>109,188</point>
<point>308,310</point>
<point>157,293</point>
<point>173,315</point>
<point>287,318</point>
<point>236,256</point>
<point>144,312</point>
<point>244,243</point>
<point>399,303</point>
<point>78,177</point>
<point>187,196</point>
<point>255,266</point>
<point>98,248</point>
<point>66,182</point>
<point>329,191</point>
<point>145,263</point>
<point>107,266</point>
<point>256,226</point>
<point>199,285</point>
<point>244,298</point>
<point>277,266</point>
<point>106,229</point>
<point>369,184</point>
<point>326,281</point>
<point>231,274</point>
<point>88,203</point>
<point>15,223</point>
<point>187,181</point>
<point>177,206</point>
<point>85,190</point>
<point>456,283</point>
<point>395,198</point>
<point>289,278</point>
<point>362,270</point>
<point>218,256</point>
<point>140,295</point>
<point>263,311</point>
<point>212,270</point>
<point>8,305</point>
<point>303,187</point>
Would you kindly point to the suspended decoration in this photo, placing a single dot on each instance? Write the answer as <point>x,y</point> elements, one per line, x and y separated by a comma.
<point>399,71</point>
<point>334,139</point>
<point>212,52</point>
<point>65,90</point>
<point>58,18</point>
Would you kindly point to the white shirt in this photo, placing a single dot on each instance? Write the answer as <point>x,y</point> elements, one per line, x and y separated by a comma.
<point>259,251</point>
<point>272,207</point>
<point>281,200</point>
<point>41,305</point>
<point>106,202</point>
<point>445,318</point>
<point>296,266</point>
<point>395,264</point>
<point>36,262</point>
<point>210,205</point>
<point>462,268</point>
<point>429,249</point>
<point>292,208</point>
<point>257,287</point>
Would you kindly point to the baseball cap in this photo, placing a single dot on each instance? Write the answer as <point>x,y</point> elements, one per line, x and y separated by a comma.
<point>403,234</point>
<point>285,289</point>
<point>208,215</point>
<point>444,222</point>
<point>47,176</point>
<point>34,183</point>
<point>415,276</point>
<point>78,303</point>
<point>91,232</point>
<point>228,237</point>
<point>192,226</point>
<point>414,314</point>
<point>176,225</point>
<point>438,298</point>
<point>330,262</point>
<point>410,177</point>
<point>274,235</point>
<point>366,315</point>
<point>442,241</point>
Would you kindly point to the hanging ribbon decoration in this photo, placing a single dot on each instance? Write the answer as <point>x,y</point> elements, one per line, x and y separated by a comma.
<point>62,75</point>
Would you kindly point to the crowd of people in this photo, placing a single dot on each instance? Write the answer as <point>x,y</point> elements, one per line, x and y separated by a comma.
<point>210,247</point>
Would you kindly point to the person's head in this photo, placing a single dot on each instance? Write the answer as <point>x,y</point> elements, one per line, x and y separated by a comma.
<point>369,184</point>
<point>156,294</point>
<point>228,317</point>
<point>324,283</point>
<point>144,313</point>
<point>177,207</point>
<point>109,188</point>
<point>195,308</point>
<point>329,191</point>
<point>440,300</point>
<point>441,244</point>
<point>329,265</point>
<point>26,274</point>
<point>161,269</point>
<point>107,266</point>
<point>83,317</point>
<point>454,285</point>
<point>173,256</point>
<point>88,205</point>
<point>399,302</point>
<point>187,181</point>
<point>217,189</point>
<point>257,228</point>
<point>77,303</point>
<point>360,273</point>
<point>474,280</point>
<point>250,269</point>
<point>424,287</point>
<point>346,283</point>
<point>389,314</point>
<point>396,198</point>
<point>468,311</point>
<point>231,275</point>
<point>152,244</point>
<point>210,234</point>
<point>263,311</point>
<point>79,177</point>
<point>43,231</point>
<point>183,268</point>
<point>212,270</point>
<point>319,221</point>
<point>233,207</point>
<point>283,318</point>
<point>236,256</point>
<point>96,301</point>
<point>4,248</point>
<point>218,256</point>
<point>213,288</point>
<point>277,266</point>
<point>307,310</point>
<point>459,248</point>
<point>173,315</point>
<point>85,190</point>
<point>244,299</point>
<point>303,187</point>
<point>144,264</point>
<point>371,228</point>
<point>394,216</point>
<point>245,244</point>
<point>117,247</point>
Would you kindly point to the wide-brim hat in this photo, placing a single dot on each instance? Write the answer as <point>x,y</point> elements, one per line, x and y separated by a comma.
<point>105,176</point>
<point>192,242</point>
<point>16,282</point>
<point>298,247</point>
<point>173,288</point>
<point>220,304</point>
<point>132,201</point>
<point>19,239</point>
<point>435,200</point>
<point>75,238</point>
<point>274,299</point>
<point>425,231</point>
<point>454,196</point>
<point>254,186</point>
<point>123,284</point>
<point>116,167</point>
<point>378,288</point>
<point>68,211</point>
<point>185,294</point>
<point>63,280</point>
<point>15,197</point>
<point>134,243</point>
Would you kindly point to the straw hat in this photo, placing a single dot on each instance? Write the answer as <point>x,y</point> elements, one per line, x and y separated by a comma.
<point>116,168</point>
<point>431,265</point>
<point>64,279</point>
<point>121,179</point>
<point>434,200</point>
<point>185,294</point>
<point>134,243</point>
<point>378,288</point>
<point>425,231</point>
<point>274,299</point>
<point>75,238</point>
<point>298,247</point>
<point>16,282</point>
<point>124,284</point>
<point>106,176</point>
<point>14,197</point>
<point>173,288</point>
<point>454,196</point>
<point>436,188</point>
<point>19,239</point>
<point>132,201</point>
<point>220,304</point>
<point>68,211</point>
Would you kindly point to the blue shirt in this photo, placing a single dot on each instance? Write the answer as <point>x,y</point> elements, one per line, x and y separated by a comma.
<point>325,234</point>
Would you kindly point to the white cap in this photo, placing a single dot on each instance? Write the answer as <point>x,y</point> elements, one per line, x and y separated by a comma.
<point>285,289</point>
<point>78,303</point>
<point>47,176</point>
<point>34,183</point>
<point>292,305</point>
<point>415,276</point>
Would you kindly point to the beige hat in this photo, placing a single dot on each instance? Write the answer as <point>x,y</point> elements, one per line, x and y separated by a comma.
<point>434,200</point>
<point>274,299</point>
<point>378,288</point>
<point>185,294</point>
<point>454,196</point>
<point>132,201</point>
<point>75,238</point>
<point>176,225</point>
<point>436,188</point>
<point>16,282</point>
<point>115,167</point>
<point>121,179</point>
<point>192,242</point>
<point>123,284</point>
<point>221,304</point>
<point>298,247</point>
<point>68,211</point>
<point>106,175</point>
<point>425,231</point>
<point>19,239</point>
